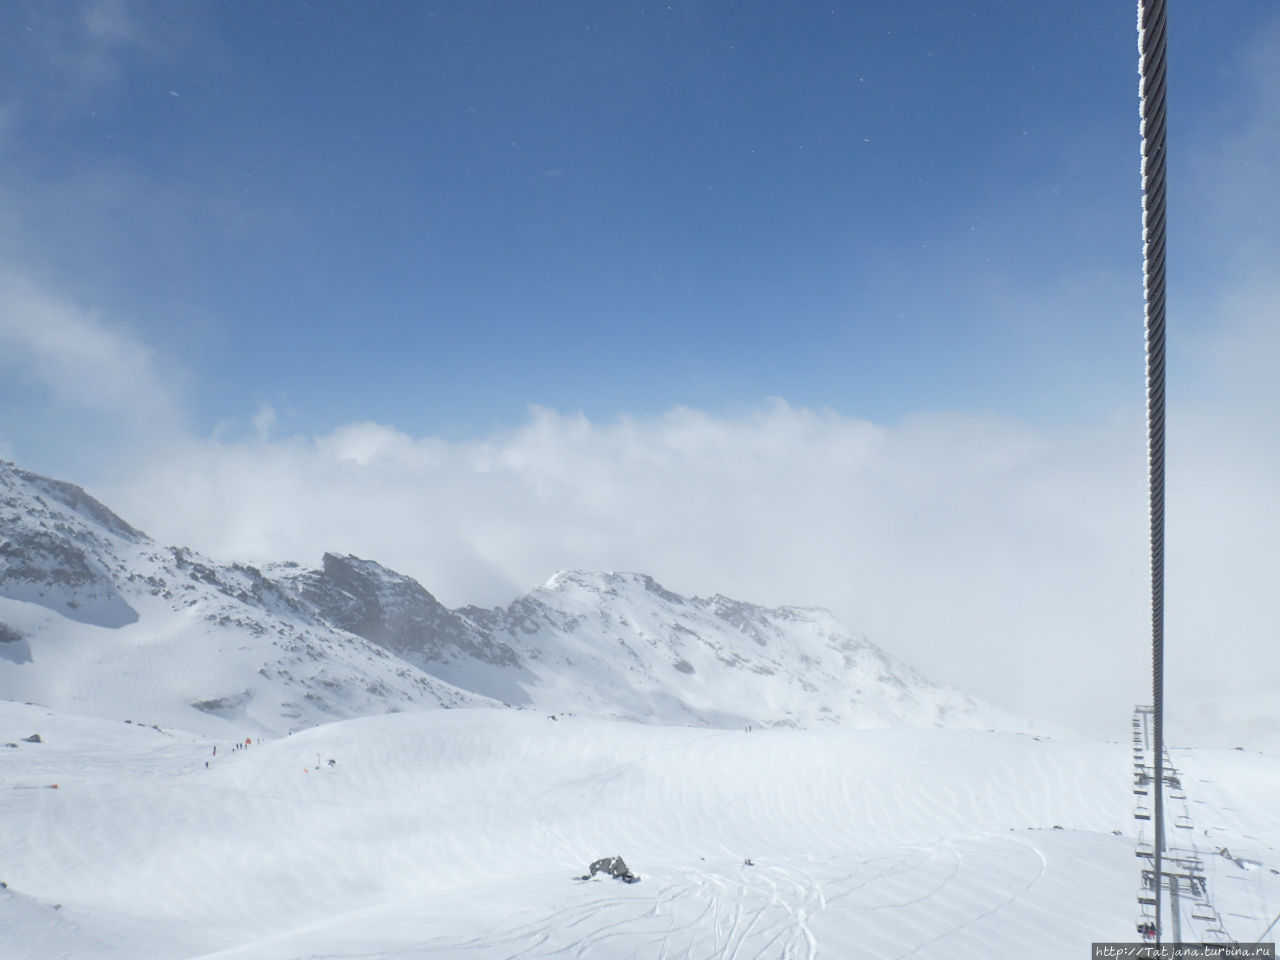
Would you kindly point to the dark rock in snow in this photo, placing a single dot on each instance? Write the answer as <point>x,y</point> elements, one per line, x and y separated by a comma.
<point>13,645</point>
<point>613,866</point>
<point>395,612</point>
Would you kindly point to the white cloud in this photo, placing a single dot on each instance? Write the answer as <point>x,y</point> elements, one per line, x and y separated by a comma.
<point>264,421</point>
<point>79,360</point>
<point>996,555</point>
<point>108,21</point>
<point>990,554</point>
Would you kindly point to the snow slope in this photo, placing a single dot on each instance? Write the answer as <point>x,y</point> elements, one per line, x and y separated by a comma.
<point>456,834</point>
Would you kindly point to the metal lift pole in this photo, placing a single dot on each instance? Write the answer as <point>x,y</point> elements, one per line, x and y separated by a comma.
<point>1175,912</point>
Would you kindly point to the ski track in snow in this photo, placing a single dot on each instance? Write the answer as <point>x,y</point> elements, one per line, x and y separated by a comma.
<point>457,834</point>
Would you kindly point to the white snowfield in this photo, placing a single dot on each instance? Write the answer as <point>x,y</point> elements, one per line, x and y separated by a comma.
<point>458,834</point>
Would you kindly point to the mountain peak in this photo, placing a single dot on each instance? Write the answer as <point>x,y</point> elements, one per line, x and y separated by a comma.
<point>69,496</point>
<point>58,548</point>
<point>392,610</point>
<point>609,583</point>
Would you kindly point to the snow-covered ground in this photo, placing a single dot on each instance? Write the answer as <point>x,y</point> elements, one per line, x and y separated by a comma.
<point>458,833</point>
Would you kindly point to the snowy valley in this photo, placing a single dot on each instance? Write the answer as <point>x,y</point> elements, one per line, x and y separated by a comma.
<point>421,782</point>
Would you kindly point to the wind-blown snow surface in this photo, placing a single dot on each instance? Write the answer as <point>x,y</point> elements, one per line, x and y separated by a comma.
<point>457,834</point>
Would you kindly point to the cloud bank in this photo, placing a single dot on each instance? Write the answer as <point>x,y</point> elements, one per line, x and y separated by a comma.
<point>987,553</point>
<point>1000,556</point>
<point>75,357</point>
<point>1003,558</point>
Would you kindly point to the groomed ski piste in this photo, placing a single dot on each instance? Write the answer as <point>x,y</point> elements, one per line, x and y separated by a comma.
<point>459,834</point>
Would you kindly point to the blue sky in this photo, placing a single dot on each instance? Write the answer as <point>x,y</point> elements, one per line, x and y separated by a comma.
<point>804,270</point>
<point>437,214</point>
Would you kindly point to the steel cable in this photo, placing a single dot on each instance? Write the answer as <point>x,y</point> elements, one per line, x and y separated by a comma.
<point>1152,47</point>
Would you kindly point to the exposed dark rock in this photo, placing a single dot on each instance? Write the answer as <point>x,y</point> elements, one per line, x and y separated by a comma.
<point>395,612</point>
<point>13,645</point>
<point>69,495</point>
<point>745,616</point>
<point>227,707</point>
<point>44,559</point>
<point>614,867</point>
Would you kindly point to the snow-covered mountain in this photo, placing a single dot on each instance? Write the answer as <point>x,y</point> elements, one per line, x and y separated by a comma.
<point>621,644</point>
<point>462,833</point>
<point>98,618</point>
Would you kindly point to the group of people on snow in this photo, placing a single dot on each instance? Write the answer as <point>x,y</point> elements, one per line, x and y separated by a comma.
<point>248,742</point>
